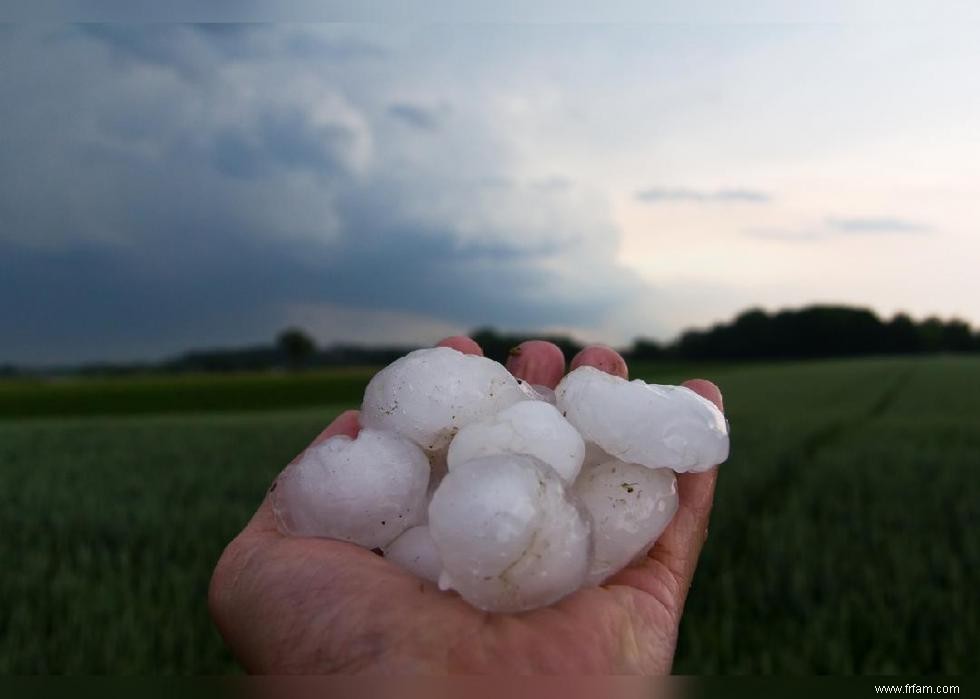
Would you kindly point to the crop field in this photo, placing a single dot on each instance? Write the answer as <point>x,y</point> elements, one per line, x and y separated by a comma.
<point>844,537</point>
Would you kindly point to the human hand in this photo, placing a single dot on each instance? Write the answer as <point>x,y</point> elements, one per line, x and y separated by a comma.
<point>319,606</point>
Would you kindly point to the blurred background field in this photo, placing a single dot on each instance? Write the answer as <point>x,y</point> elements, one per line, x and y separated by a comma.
<point>843,538</point>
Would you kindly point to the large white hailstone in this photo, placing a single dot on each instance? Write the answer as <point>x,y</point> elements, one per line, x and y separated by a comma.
<point>415,551</point>
<point>509,536</point>
<point>430,394</point>
<point>631,506</point>
<point>530,427</point>
<point>655,426</point>
<point>366,490</point>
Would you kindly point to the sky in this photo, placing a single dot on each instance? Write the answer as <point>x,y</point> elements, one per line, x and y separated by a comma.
<point>168,186</point>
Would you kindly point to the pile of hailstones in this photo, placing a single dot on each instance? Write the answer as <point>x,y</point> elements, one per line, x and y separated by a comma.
<point>513,495</point>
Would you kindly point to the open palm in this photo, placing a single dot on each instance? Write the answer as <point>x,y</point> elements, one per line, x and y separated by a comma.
<point>319,606</point>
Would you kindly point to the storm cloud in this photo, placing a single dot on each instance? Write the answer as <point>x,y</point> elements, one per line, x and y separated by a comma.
<point>166,187</point>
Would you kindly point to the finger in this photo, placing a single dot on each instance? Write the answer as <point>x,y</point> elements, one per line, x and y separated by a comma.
<point>706,389</point>
<point>669,569</point>
<point>463,344</point>
<point>603,358</point>
<point>537,362</point>
<point>347,423</point>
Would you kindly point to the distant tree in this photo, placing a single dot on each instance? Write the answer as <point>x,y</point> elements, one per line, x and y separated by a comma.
<point>646,349</point>
<point>493,344</point>
<point>956,336</point>
<point>931,334</point>
<point>749,335</point>
<point>296,346</point>
<point>901,335</point>
<point>813,331</point>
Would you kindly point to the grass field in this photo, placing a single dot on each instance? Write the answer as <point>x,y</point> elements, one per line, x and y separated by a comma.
<point>843,539</point>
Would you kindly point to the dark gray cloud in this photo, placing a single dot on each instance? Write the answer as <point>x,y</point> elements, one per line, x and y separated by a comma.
<point>416,116</point>
<point>188,50</point>
<point>191,283</point>
<point>339,49</point>
<point>881,224</point>
<point>656,195</point>
<point>147,211</point>
<point>282,139</point>
<point>194,49</point>
<point>136,11</point>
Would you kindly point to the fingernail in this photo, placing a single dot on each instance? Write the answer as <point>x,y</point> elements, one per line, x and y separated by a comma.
<point>517,360</point>
<point>463,344</point>
<point>602,358</point>
<point>537,362</point>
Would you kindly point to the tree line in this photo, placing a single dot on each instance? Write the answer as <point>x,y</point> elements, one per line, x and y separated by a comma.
<point>816,331</point>
<point>803,333</point>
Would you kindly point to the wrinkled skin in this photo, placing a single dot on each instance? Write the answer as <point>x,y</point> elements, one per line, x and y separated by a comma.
<point>317,606</point>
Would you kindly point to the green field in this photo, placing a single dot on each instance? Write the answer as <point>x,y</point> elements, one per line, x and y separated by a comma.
<point>844,538</point>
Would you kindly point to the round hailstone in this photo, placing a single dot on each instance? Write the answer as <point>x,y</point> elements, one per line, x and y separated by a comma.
<point>508,534</point>
<point>415,551</point>
<point>429,394</point>
<point>530,427</point>
<point>366,490</point>
<point>656,426</point>
<point>631,506</point>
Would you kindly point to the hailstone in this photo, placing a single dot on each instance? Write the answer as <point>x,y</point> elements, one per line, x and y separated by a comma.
<point>509,535</point>
<point>366,490</point>
<point>430,394</point>
<point>630,506</point>
<point>514,495</point>
<point>415,551</point>
<point>655,426</point>
<point>530,427</point>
